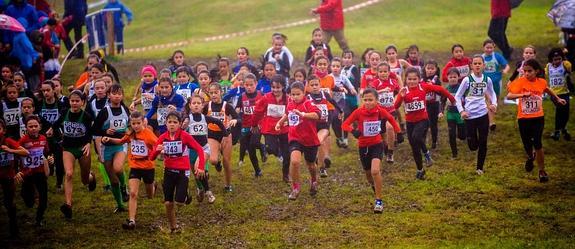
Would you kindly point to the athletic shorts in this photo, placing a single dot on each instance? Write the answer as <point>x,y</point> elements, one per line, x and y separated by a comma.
<point>368,153</point>
<point>76,151</point>
<point>110,150</point>
<point>194,156</point>
<point>216,135</point>
<point>309,152</point>
<point>145,175</point>
<point>176,185</point>
<point>321,125</point>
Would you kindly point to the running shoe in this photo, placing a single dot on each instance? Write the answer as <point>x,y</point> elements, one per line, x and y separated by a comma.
<point>66,210</point>
<point>529,164</point>
<point>327,162</point>
<point>228,189</point>
<point>378,208</point>
<point>345,143</point>
<point>420,175</point>
<point>59,188</point>
<point>566,135</point>
<point>219,166</point>
<point>281,159</point>
<point>428,160</point>
<point>125,195</point>
<point>285,178</point>
<point>176,229</point>
<point>313,188</point>
<point>555,135</point>
<point>492,127</point>
<point>339,142</point>
<point>434,145</point>
<point>258,173</point>
<point>129,225</point>
<point>119,210</point>
<point>294,194</point>
<point>323,172</point>
<point>479,172</point>
<point>210,196</point>
<point>389,157</point>
<point>240,163</point>
<point>543,177</point>
<point>454,155</point>
<point>92,183</point>
<point>200,194</point>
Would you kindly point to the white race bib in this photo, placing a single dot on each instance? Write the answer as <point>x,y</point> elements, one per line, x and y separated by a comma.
<point>173,148</point>
<point>556,80</point>
<point>386,99</point>
<point>186,93</point>
<point>162,114</point>
<point>293,119</point>
<point>35,159</point>
<point>198,129</point>
<point>531,104</point>
<point>371,128</point>
<point>414,106</point>
<point>118,123</point>
<point>11,116</point>
<point>147,99</point>
<point>323,110</point>
<point>463,71</point>
<point>74,129</point>
<point>248,110</point>
<point>276,111</point>
<point>138,148</point>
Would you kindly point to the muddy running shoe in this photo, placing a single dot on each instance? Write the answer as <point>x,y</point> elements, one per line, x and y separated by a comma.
<point>327,162</point>
<point>345,143</point>
<point>313,188</point>
<point>129,225</point>
<point>492,127</point>
<point>479,172</point>
<point>119,210</point>
<point>543,177</point>
<point>92,183</point>
<point>566,135</point>
<point>258,173</point>
<point>293,195</point>
<point>420,175</point>
<point>219,166</point>
<point>228,189</point>
<point>240,163</point>
<point>339,142</point>
<point>176,229</point>
<point>66,210</point>
<point>323,172</point>
<point>200,194</point>
<point>389,157</point>
<point>555,135</point>
<point>210,196</point>
<point>378,208</point>
<point>125,195</point>
<point>529,164</point>
<point>428,160</point>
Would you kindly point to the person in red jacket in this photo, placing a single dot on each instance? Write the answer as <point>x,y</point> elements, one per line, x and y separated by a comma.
<point>416,115</point>
<point>174,145</point>
<point>302,135</point>
<point>459,61</point>
<point>250,140</point>
<point>369,119</point>
<point>331,21</point>
<point>500,13</point>
<point>268,111</point>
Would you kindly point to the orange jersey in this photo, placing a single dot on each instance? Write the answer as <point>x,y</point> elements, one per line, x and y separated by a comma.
<point>141,144</point>
<point>83,79</point>
<point>532,106</point>
<point>326,84</point>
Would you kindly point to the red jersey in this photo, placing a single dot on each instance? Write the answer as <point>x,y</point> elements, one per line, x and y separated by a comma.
<point>268,112</point>
<point>369,124</point>
<point>386,98</point>
<point>432,97</point>
<point>34,162</point>
<point>414,99</point>
<point>248,109</point>
<point>369,76</point>
<point>7,159</point>
<point>176,151</point>
<point>461,65</point>
<point>302,130</point>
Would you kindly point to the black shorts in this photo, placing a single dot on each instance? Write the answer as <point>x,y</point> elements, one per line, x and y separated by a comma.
<point>216,135</point>
<point>367,154</point>
<point>531,131</point>
<point>321,125</point>
<point>309,152</point>
<point>145,175</point>
<point>176,185</point>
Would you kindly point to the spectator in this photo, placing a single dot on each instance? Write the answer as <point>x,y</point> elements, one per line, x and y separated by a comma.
<point>500,13</point>
<point>118,22</point>
<point>331,21</point>
<point>22,49</point>
<point>75,11</point>
<point>20,9</point>
<point>42,6</point>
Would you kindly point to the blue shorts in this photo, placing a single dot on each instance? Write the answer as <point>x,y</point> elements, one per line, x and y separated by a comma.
<point>110,150</point>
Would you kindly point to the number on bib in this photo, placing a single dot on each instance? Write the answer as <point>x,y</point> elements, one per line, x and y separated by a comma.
<point>293,119</point>
<point>371,128</point>
<point>414,106</point>
<point>34,159</point>
<point>162,114</point>
<point>386,99</point>
<point>276,111</point>
<point>11,116</point>
<point>173,147</point>
<point>51,115</point>
<point>531,104</point>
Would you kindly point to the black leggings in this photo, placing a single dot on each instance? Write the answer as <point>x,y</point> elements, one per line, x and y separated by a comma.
<point>477,130</point>
<point>250,142</point>
<point>531,130</point>
<point>416,133</point>
<point>497,28</point>
<point>455,131</point>
<point>278,145</point>
<point>335,123</point>
<point>348,113</point>
<point>8,189</point>
<point>432,112</point>
<point>39,182</point>
<point>56,150</point>
<point>562,113</point>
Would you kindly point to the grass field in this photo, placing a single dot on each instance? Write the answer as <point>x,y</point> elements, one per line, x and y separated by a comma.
<point>453,208</point>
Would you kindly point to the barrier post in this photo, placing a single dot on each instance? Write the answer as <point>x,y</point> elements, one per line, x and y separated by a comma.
<point>110,33</point>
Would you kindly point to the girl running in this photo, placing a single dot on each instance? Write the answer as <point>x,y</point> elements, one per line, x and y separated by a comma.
<point>218,139</point>
<point>557,73</point>
<point>265,82</point>
<point>471,104</point>
<point>142,141</point>
<point>22,87</point>
<point>197,124</point>
<point>184,86</point>
<point>11,110</point>
<point>365,64</point>
<point>459,61</point>
<point>387,89</point>
<point>174,144</point>
<point>176,61</point>
<point>112,121</point>
<point>279,54</point>
<point>243,56</point>
<point>225,74</point>
<point>166,101</point>
<point>317,41</point>
<point>455,124</point>
<point>413,57</point>
<point>8,149</point>
<point>146,90</point>
<point>268,111</point>
<point>299,75</point>
<point>529,90</point>
<point>416,115</point>
<point>369,119</point>
<point>432,99</point>
<point>301,118</point>
<point>351,72</point>
<point>34,169</point>
<point>495,66</point>
<point>397,66</point>
<point>250,140</point>
<point>204,79</point>
<point>77,135</point>
<point>96,71</point>
<point>340,97</point>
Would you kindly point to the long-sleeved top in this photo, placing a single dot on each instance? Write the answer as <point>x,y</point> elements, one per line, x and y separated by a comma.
<point>415,107</point>
<point>26,11</point>
<point>234,95</point>
<point>37,148</point>
<point>264,85</point>
<point>331,15</point>
<point>462,66</point>
<point>369,124</point>
<point>176,151</point>
<point>77,9</point>
<point>118,22</point>
<point>352,73</point>
<point>269,110</point>
<point>283,66</point>
<point>470,96</point>
<point>160,106</point>
<point>302,130</point>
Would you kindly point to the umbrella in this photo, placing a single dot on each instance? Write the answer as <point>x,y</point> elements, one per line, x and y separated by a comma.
<point>563,14</point>
<point>9,23</point>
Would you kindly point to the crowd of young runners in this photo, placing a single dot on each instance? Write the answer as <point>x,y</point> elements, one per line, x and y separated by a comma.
<point>192,117</point>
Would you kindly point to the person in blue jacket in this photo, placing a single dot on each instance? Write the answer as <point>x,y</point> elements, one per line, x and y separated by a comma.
<point>76,10</point>
<point>22,48</point>
<point>118,22</point>
<point>21,9</point>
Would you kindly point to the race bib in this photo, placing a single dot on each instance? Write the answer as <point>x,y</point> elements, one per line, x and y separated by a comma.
<point>276,111</point>
<point>218,115</point>
<point>162,114</point>
<point>337,96</point>
<point>51,115</point>
<point>463,71</point>
<point>35,159</point>
<point>118,123</point>
<point>138,148</point>
<point>248,110</point>
<point>371,128</point>
<point>23,130</point>
<point>11,116</point>
<point>147,99</point>
<point>430,96</point>
<point>490,67</point>
<point>386,99</point>
<point>531,104</point>
<point>556,81</point>
<point>414,106</point>
<point>477,89</point>
<point>6,158</point>
<point>186,93</point>
<point>198,129</point>
<point>74,129</point>
<point>173,148</point>
<point>293,119</point>
<point>323,110</point>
